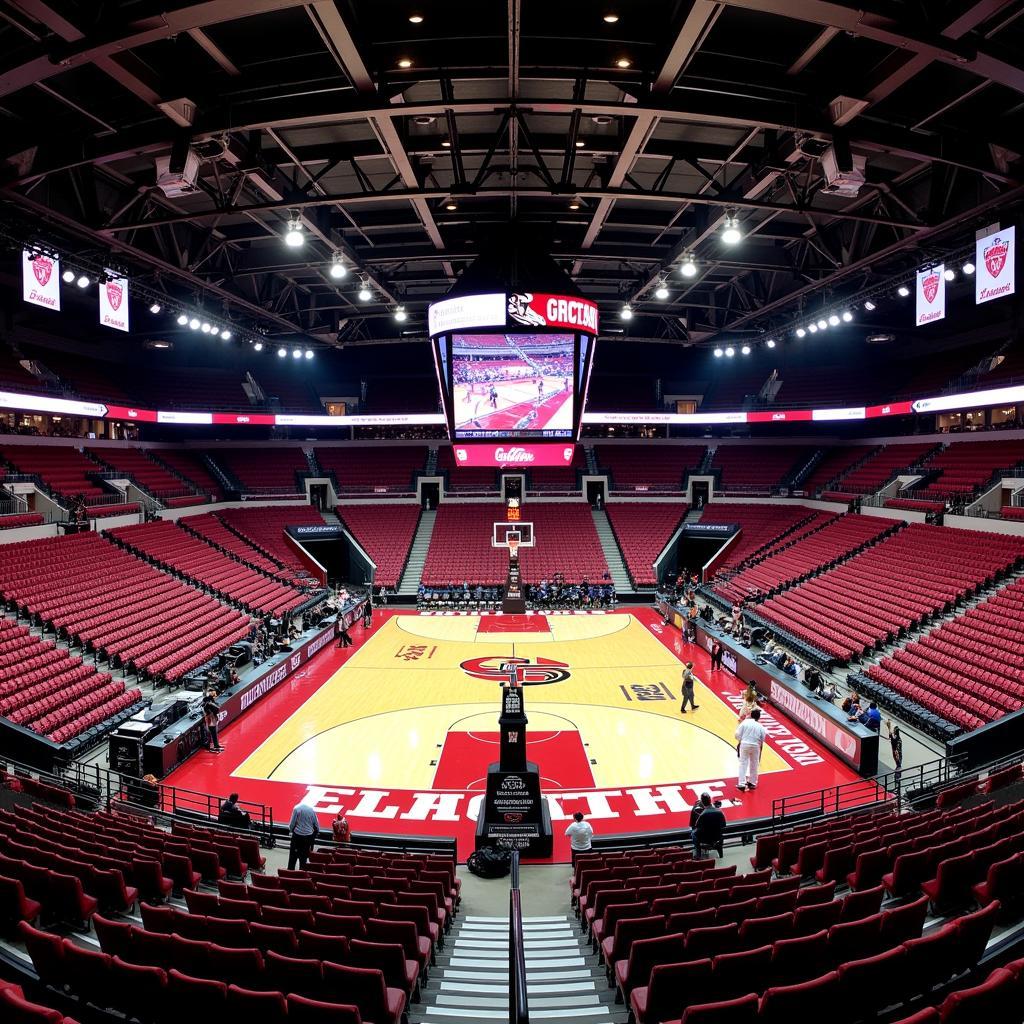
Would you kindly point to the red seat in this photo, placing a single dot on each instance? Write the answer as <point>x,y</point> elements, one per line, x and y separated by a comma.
<point>860,904</point>
<point>292,974</point>
<point>238,966</point>
<point>816,916</point>
<point>69,902</point>
<point>909,870</point>
<point>902,923</point>
<point>14,904</point>
<point>87,972</point>
<point>133,986</point>
<point>793,959</point>
<point>252,1005</point>
<point>47,953</point>
<point>312,1011</point>
<point>972,934</point>
<point>933,958</point>
<point>733,1011</point>
<point>194,999</point>
<point>951,886</point>
<point>149,879</point>
<point>15,1009</point>
<point>737,974</point>
<point>356,986</point>
<point>756,931</point>
<point>644,956</point>
<point>996,999</point>
<point>267,937</point>
<point>809,1000</point>
<point>876,982</point>
<point>668,990</point>
<point>333,948</point>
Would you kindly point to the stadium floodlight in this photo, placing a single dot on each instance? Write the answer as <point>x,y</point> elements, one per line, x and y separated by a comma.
<point>68,275</point>
<point>282,352</point>
<point>337,269</point>
<point>364,293</point>
<point>293,236</point>
<point>296,353</point>
<point>812,328</point>
<point>847,316</point>
<point>182,320</point>
<point>155,307</point>
<point>309,353</point>
<point>833,320</point>
<point>968,268</point>
<point>627,312</point>
<point>258,346</point>
<point>194,323</point>
<point>801,333</point>
<point>400,314</point>
<point>745,350</point>
<point>719,353</point>
<point>661,292</point>
<point>225,334</point>
<point>949,274</point>
<point>730,352</point>
<point>688,268</point>
<point>770,343</point>
<point>83,281</point>
<point>903,291</point>
<point>206,328</point>
<point>822,324</point>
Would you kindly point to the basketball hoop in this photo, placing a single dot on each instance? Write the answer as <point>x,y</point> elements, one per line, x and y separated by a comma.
<point>512,540</point>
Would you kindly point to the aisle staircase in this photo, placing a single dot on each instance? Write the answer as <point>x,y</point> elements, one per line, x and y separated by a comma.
<point>469,984</point>
<point>410,581</point>
<point>612,554</point>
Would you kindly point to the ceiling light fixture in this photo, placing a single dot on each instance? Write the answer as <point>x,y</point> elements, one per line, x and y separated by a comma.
<point>833,320</point>
<point>416,19</point>
<point>258,346</point>
<point>574,203</point>
<point>282,352</point>
<point>731,234</point>
<point>154,308</point>
<point>451,204</point>
<point>801,333</point>
<point>611,18</point>
<point>623,63</point>
<point>337,269</point>
<point>661,292</point>
<point>847,316</point>
<point>447,143</point>
<point>719,353</point>
<point>822,324</point>
<point>400,314</point>
<point>364,293</point>
<point>182,320</point>
<point>745,350</point>
<point>194,323</point>
<point>580,143</point>
<point>225,334</point>
<point>296,353</point>
<point>730,352</point>
<point>405,63</point>
<point>812,328</point>
<point>688,268</point>
<point>903,291</point>
<point>770,343</point>
<point>69,276</point>
<point>968,268</point>
<point>309,353</point>
<point>293,236</point>
<point>869,305</point>
<point>949,274</point>
<point>83,281</point>
<point>206,328</point>
<point>627,312</point>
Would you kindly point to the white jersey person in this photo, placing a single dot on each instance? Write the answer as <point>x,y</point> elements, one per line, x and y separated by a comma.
<point>750,734</point>
<point>580,833</point>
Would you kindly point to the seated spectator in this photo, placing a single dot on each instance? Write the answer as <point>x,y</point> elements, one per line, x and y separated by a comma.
<point>872,717</point>
<point>851,705</point>
<point>710,827</point>
<point>828,691</point>
<point>233,815</point>
<point>340,828</point>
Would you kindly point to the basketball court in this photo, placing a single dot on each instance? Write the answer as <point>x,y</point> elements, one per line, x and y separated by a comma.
<point>399,730</point>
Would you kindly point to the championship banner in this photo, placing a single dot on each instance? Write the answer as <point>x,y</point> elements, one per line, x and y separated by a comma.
<point>993,266</point>
<point>931,295</point>
<point>114,303</point>
<point>40,279</point>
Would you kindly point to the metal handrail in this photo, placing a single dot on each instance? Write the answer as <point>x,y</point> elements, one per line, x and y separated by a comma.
<point>518,1005</point>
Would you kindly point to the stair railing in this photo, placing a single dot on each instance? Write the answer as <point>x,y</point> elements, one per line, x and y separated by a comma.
<point>518,1006</point>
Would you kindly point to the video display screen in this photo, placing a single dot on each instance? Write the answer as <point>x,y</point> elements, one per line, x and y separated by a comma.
<point>512,385</point>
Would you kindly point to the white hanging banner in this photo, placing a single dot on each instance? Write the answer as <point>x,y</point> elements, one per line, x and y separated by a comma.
<point>114,303</point>
<point>40,279</point>
<point>931,295</point>
<point>993,266</point>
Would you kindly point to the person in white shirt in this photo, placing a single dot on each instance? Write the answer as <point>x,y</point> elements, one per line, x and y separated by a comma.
<point>580,833</point>
<point>750,736</point>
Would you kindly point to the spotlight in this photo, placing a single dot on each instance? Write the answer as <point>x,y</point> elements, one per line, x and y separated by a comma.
<point>400,314</point>
<point>337,269</point>
<point>903,291</point>
<point>847,316</point>
<point>447,143</point>
<point>574,203</point>
<point>801,333</point>
<point>451,205</point>
<point>833,320</point>
<point>611,18</point>
<point>309,353</point>
<point>745,350</point>
<point>416,19</point>
<point>296,353</point>
<point>282,352</point>
<point>968,268</point>
<point>812,328</point>
<point>405,63</point>
<point>69,276</point>
<point>770,343</point>
<point>258,346</point>
<point>194,323</point>
<point>661,292</point>
<point>869,305</point>
<point>688,268</point>
<point>155,308</point>
<point>83,281</point>
<point>364,293</point>
<point>627,312</point>
<point>623,63</point>
<point>225,334</point>
<point>949,274</point>
<point>294,237</point>
<point>182,320</point>
<point>731,234</point>
<point>206,328</point>
<point>822,324</point>
<point>730,352</point>
<point>580,143</point>
<point>719,353</point>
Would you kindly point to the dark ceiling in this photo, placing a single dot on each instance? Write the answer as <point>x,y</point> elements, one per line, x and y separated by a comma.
<point>625,142</point>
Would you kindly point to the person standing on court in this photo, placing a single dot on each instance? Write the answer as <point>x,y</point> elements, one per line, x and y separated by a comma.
<point>750,734</point>
<point>688,688</point>
<point>303,827</point>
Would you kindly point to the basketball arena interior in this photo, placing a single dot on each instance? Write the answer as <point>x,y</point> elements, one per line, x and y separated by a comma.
<point>511,511</point>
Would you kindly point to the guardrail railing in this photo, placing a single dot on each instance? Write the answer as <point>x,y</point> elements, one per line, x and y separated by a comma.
<point>518,1002</point>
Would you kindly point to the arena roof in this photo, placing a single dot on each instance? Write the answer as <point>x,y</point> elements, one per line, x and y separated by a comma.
<point>625,131</point>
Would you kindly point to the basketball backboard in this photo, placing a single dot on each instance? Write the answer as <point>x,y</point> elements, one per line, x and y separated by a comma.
<point>499,537</point>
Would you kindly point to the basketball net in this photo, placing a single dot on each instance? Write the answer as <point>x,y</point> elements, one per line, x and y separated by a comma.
<point>513,547</point>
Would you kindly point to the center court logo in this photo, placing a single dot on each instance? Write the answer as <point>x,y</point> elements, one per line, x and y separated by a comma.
<point>499,669</point>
